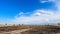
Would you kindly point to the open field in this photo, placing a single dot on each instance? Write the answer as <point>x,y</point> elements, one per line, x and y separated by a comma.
<point>27,29</point>
<point>43,30</point>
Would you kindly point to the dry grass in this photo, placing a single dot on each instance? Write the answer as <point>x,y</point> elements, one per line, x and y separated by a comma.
<point>46,29</point>
<point>43,30</point>
<point>11,28</point>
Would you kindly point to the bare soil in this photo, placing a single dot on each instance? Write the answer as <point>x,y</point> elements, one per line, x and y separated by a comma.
<point>15,31</point>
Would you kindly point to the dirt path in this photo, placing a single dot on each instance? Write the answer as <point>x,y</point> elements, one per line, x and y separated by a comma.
<point>15,32</point>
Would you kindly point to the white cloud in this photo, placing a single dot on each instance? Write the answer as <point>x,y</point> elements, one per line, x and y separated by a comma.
<point>57,3</point>
<point>40,16</point>
<point>43,1</point>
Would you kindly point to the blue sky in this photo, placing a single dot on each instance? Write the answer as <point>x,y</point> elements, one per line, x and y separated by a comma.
<point>12,7</point>
<point>9,9</point>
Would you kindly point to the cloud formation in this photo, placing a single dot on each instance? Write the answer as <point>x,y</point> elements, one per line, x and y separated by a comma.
<point>43,1</point>
<point>40,16</point>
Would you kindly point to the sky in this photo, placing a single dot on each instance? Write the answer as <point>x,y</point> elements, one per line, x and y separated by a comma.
<point>29,11</point>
